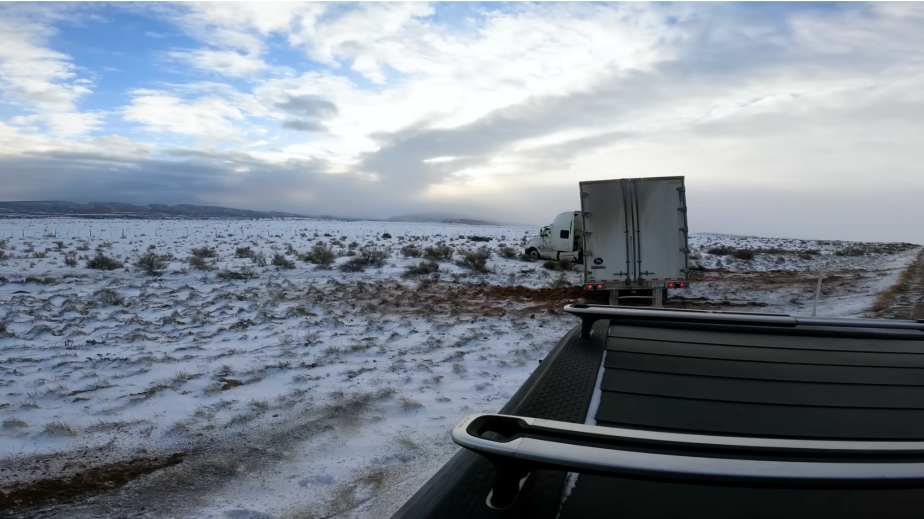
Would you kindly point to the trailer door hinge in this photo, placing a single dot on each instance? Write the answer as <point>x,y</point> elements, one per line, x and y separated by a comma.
<point>683,249</point>
<point>682,209</point>
<point>587,233</point>
<point>681,189</point>
<point>684,229</point>
<point>587,213</point>
<point>583,193</point>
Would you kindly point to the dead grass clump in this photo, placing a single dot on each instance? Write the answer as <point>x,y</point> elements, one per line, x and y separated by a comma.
<point>59,429</point>
<point>407,404</point>
<point>243,252</point>
<point>12,423</point>
<point>403,439</point>
<point>108,296</point>
<point>723,250</point>
<point>41,281</point>
<point>386,392</point>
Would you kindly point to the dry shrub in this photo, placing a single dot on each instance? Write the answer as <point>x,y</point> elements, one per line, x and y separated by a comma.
<point>321,254</point>
<point>152,264</point>
<point>230,275</point>
<point>559,265</point>
<point>475,260</point>
<point>424,268</point>
<point>200,263</point>
<point>507,252</point>
<point>108,296</point>
<point>743,254</point>
<point>440,252</point>
<point>103,262</point>
<point>205,252</point>
<point>280,261</point>
<point>410,251</point>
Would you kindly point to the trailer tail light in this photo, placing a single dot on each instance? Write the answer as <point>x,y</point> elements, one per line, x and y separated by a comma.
<point>590,287</point>
<point>599,287</point>
<point>670,285</point>
<point>682,285</point>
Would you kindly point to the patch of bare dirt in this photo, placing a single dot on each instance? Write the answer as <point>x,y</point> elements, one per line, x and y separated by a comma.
<point>447,298</point>
<point>95,479</point>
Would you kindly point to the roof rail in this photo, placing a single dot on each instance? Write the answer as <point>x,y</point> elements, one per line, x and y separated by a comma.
<point>518,445</point>
<point>589,314</point>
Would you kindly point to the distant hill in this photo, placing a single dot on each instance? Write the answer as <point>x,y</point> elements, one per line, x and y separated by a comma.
<point>438,218</point>
<point>59,208</point>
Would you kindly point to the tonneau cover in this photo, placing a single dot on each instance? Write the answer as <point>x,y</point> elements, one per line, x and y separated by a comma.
<point>814,382</point>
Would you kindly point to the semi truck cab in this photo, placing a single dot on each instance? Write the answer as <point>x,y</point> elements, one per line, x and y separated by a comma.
<point>560,240</point>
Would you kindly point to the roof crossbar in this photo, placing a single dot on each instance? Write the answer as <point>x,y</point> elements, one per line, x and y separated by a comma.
<point>518,445</point>
<point>589,314</point>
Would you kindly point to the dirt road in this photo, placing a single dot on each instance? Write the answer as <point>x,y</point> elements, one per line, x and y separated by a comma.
<point>897,302</point>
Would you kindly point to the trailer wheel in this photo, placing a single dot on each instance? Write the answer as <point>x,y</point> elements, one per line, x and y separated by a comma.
<point>533,254</point>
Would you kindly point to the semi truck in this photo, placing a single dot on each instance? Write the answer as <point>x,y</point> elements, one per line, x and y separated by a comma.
<point>630,236</point>
<point>560,240</point>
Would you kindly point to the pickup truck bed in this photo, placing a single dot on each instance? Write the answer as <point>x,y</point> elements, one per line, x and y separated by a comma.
<point>707,416</point>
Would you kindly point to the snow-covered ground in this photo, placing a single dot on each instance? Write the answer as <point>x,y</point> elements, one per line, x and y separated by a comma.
<point>303,392</point>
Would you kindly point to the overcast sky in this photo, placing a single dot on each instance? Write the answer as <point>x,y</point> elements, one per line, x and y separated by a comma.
<point>792,120</point>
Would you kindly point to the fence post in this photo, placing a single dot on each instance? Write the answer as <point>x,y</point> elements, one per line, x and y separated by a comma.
<point>821,273</point>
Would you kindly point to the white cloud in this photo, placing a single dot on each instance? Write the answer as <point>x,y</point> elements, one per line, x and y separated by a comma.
<point>209,118</point>
<point>226,62</point>
<point>38,80</point>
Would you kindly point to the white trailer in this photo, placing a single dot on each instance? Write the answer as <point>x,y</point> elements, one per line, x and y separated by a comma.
<point>635,237</point>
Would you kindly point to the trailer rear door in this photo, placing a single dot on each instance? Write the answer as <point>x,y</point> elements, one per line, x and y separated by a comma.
<point>607,244</point>
<point>660,229</point>
<point>634,230</point>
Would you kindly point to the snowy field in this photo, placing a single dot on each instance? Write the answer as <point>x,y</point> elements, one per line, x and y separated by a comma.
<point>305,391</point>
